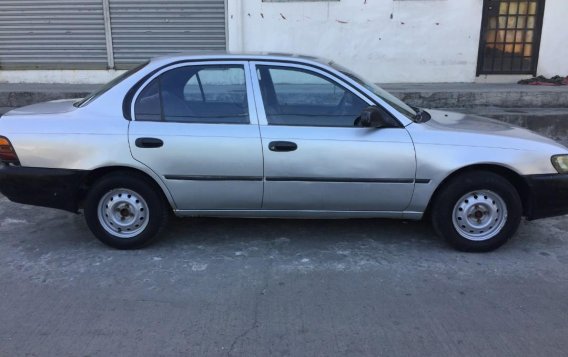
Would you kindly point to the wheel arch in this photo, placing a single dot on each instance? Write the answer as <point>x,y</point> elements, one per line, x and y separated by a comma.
<point>518,182</point>
<point>94,175</point>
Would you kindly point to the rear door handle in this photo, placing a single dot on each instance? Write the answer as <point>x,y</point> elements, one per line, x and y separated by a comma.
<point>282,146</point>
<point>149,143</point>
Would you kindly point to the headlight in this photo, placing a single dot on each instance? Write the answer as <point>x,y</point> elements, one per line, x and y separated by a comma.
<point>560,163</point>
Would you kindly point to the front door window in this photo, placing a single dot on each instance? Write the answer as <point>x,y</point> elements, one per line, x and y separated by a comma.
<point>296,97</point>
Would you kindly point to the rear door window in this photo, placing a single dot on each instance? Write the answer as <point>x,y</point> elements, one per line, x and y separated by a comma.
<point>214,94</point>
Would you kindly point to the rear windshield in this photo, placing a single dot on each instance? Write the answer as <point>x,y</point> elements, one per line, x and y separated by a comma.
<point>108,86</point>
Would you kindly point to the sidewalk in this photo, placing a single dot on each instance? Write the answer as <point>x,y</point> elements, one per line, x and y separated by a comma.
<point>540,108</point>
<point>430,95</point>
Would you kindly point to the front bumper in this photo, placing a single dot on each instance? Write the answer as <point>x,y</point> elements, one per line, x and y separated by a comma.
<point>548,195</point>
<point>54,188</point>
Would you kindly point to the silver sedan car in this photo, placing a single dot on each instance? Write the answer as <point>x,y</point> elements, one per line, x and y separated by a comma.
<point>242,135</point>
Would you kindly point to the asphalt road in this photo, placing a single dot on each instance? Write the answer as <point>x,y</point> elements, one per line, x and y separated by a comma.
<point>228,287</point>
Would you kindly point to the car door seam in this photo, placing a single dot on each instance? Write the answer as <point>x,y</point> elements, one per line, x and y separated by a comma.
<point>253,80</point>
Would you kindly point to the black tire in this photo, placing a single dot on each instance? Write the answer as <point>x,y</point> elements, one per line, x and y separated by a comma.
<point>447,198</point>
<point>156,205</point>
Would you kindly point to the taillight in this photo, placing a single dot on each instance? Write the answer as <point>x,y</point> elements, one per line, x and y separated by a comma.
<point>7,152</point>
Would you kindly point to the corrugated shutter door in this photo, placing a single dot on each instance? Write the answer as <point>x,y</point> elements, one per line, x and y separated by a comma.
<point>52,34</point>
<point>145,28</point>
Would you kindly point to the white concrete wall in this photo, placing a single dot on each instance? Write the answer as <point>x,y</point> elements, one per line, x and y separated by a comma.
<point>385,40</point>
<point>553,59</point>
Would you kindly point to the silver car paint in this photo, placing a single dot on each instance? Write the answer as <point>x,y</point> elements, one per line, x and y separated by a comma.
<point>57,135</point>
<point>204,150</point>
<point>357,154</point>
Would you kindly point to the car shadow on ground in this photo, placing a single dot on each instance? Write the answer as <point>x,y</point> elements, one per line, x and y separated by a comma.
<point>313,232</point>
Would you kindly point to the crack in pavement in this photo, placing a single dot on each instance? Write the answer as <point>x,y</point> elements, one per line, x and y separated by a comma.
<point>255,323</point>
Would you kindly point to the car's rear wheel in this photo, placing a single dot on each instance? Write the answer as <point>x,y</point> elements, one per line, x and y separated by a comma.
<point>477,211</point>
<point>125,211</point>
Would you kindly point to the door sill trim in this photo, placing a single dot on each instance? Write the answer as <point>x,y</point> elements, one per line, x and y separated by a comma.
<point>317,214</point>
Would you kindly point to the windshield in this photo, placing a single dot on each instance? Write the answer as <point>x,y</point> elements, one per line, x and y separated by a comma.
<point>393,101</point>
<point>108,86</point>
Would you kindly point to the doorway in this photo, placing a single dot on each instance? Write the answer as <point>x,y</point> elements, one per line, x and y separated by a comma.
<point>510,36</point>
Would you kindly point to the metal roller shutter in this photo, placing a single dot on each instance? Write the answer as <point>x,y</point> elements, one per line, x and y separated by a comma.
<point>52,34</point>
<point>146,28</point>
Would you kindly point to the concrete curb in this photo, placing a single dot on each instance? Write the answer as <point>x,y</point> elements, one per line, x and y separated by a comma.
<point>471,95</point>
<point>18,95</point>
<point>488,99</point>
<point>550,122</point>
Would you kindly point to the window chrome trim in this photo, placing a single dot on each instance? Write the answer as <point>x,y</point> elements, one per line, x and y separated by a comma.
<point>253,118</point>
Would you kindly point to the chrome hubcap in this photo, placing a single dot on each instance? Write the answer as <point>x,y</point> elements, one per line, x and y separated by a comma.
<point>479,215</point>
<point>123,213</point>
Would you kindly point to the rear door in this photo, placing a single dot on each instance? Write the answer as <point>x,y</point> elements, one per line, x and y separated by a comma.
<point>193,125</point>
<point>315,157</point>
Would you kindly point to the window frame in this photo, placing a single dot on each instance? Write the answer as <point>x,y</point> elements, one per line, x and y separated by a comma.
<point>253,118</point>
<point>263,119</point>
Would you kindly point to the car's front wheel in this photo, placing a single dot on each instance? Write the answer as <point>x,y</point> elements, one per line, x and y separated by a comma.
<point>125,211</point>
<point>477,211</point>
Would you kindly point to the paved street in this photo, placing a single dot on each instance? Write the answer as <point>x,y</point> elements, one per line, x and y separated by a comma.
<point>228,287</point>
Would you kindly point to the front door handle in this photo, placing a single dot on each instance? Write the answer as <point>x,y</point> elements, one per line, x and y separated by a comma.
<point>282,146</point>
<point>149,143</point>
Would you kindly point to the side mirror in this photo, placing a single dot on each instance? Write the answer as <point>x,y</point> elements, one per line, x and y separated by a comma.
<point>372,117</point>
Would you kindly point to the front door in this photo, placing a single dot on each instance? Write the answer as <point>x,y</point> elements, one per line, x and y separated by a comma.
<point>510,36</point>
<point>193,126</point>
<point>315,158</point>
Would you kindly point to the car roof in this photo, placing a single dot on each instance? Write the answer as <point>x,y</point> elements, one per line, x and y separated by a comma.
<point>249,56</point>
